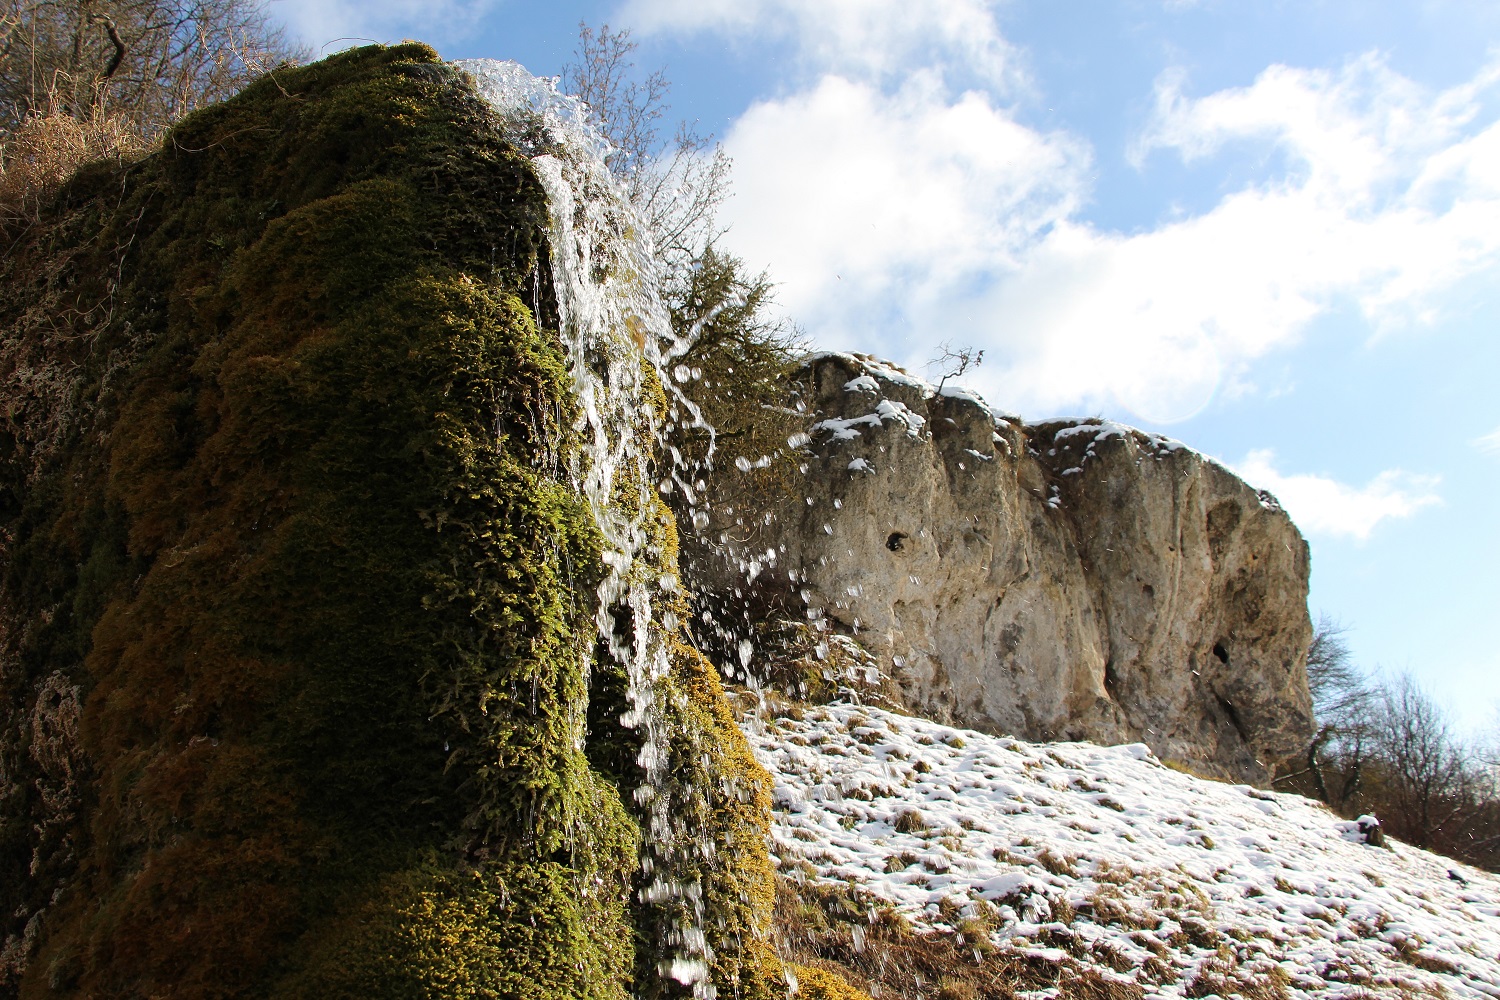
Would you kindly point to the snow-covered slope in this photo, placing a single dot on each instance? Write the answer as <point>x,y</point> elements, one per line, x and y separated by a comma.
<point>1102,857</point>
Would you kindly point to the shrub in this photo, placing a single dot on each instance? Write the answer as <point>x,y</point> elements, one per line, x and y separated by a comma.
<point>49,146</point>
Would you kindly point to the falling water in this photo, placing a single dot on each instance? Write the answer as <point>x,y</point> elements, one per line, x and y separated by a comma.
<point>611,319</point>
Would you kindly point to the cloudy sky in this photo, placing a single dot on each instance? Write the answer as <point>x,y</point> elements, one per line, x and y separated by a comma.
<point>1270,230</point>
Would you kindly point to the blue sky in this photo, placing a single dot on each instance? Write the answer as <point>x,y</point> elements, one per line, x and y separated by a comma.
<point>1270,230</point>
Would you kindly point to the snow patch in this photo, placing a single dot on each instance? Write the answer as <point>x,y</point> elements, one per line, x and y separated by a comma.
<point>1102,856</point>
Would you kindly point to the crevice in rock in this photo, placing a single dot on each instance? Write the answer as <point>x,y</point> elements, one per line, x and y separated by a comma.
<point>1112,681</point>
<point>1234,718</point>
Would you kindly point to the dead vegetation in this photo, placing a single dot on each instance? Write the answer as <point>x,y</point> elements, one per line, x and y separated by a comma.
<point>83,81</point>
<point>50,145</point>
<point>876,950</point>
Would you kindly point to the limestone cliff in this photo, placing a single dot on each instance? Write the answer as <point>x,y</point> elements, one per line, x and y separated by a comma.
<point>1072,579</point>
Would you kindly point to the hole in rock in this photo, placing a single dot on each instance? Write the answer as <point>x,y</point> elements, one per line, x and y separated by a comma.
<point>1221,653</point>
<point>894,542</point>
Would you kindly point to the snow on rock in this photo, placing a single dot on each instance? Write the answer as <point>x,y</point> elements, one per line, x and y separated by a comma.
<point>897,411</point>
<point>1103,857</point>
<point>846,429</point>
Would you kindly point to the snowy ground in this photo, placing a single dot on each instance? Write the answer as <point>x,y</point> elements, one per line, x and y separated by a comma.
<point>1103,857</point>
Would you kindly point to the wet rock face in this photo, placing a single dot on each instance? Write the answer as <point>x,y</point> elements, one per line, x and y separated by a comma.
<point>1060,580</point>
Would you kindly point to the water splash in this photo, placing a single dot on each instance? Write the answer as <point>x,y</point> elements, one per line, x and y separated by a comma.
<point>618,335</point>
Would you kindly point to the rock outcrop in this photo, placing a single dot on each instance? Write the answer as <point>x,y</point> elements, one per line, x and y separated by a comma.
<point>1072,579</point>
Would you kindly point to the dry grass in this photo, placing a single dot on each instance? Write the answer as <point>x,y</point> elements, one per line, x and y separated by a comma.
<point>49,148</point>
<point>1221,975</point>
<point>1058,864</point>
<point>910,821</point>
<point>877,951</point>
<point>1193,770</point>
<point>1409,950</point>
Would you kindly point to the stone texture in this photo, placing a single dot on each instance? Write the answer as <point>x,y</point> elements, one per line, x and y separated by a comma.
<point>1073,579</point>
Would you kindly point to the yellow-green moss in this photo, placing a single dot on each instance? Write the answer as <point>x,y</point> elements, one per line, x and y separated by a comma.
<point>329,586</point>
<point>724,791</point>
<point>819,984</point>
<point>496,931</point>
<point>283,499</point>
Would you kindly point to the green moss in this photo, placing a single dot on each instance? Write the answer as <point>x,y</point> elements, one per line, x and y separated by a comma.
<point>720,807</point>
<point>719,779</point>
<point>497,930</point>
<point>298,511</point>
<point>285,499</point>
<point>819,984</point>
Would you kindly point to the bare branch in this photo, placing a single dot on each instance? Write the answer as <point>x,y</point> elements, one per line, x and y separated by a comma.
<point>154,61</point>
<point>677,185</point>
<point>954,361</point>
<point>115,39</point>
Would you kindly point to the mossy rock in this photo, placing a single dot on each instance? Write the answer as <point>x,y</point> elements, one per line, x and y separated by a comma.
<point>819,984</point>
<point>296,622</point>
<point>433,932</point>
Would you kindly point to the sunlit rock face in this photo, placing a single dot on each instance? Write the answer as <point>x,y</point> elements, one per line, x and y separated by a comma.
<point>1073,579</point>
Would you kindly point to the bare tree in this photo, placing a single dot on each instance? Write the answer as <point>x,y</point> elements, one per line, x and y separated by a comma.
<point>148,61</point>
<point>1490,747</point>
<point>1385,747</point>
<point>1332,677</point>
<point>1333,765</point>
<point>677,185</point>
<point>1342,703</point>
<point>951,362</point>
<point>1427,782</point>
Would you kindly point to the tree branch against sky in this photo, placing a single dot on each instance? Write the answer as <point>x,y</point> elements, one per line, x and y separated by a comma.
<point>676,184</point>
<point>151,61</point>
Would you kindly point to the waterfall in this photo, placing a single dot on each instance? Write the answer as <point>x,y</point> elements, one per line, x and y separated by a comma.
<point>612,319</point>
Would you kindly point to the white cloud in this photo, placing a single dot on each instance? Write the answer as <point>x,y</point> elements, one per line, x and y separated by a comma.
<point>1392,196</point>
<point>1323,506</point>
<point>330,25</point>
<point>1489,443</point>
<point>852,37</point>
<point>871,205</point>
<point>1392,192</point>
<point>900,210</point>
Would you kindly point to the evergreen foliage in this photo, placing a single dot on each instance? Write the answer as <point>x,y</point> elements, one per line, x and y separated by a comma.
<point>738,361</point>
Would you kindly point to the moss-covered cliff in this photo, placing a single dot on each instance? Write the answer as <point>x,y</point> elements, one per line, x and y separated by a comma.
<point>301,692</point>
